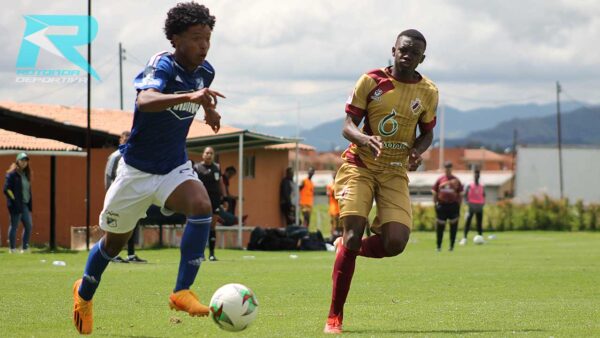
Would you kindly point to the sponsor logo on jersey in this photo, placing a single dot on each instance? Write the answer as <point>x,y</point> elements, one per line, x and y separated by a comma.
<point>416,107</point>
<point>377,95</point>
<point>186,110</point>
<point>395,145</point>
<point>388,126</point>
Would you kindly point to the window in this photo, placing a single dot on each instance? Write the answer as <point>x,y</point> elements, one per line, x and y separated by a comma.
<point>249,164</point>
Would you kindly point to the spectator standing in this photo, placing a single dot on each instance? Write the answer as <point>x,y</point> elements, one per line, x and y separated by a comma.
<point>228,197</point>
<point>475,198</point>
<point>17,188</point>
<point>209,173</point>
<point>447,192</point>
<point>110,174</point>
<point>307,196</point>
<point>334,210</point>
<point>287,197</point>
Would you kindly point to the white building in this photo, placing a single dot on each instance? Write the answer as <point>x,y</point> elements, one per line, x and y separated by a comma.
<point>537,173</point>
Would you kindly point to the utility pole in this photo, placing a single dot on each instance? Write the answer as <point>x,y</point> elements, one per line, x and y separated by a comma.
<point>121,58</point>
<point>441,149</point>
<point>558,128</point>
<point>88,138</point>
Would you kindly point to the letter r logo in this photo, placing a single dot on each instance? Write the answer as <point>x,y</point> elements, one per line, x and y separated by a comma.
<point>36,36</point>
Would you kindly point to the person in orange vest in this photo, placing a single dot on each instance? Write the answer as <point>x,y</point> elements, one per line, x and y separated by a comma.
<point>475,198</point>
<point>334,211</point>
<point>307,196</point>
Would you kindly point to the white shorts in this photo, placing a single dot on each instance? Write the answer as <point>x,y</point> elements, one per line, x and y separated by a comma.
<point>133,191</point>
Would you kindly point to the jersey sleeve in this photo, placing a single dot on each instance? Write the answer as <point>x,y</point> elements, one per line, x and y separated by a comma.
<point>357,101</point>
<point>427,119</point>
<point>156,75</point>
<point>436,186</point>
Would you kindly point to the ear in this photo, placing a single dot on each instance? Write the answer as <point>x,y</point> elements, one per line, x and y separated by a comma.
<point>394,51</point>
<point>175,40</point>
<point>422,59</point>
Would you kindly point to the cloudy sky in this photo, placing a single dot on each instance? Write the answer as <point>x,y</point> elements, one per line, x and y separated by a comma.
<point>283,61</point>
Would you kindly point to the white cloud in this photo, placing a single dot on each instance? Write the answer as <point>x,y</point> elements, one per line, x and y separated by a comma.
<point>271,55</point>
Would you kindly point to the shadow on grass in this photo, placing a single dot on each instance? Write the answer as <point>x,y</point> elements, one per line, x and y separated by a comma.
<point>400,331</point>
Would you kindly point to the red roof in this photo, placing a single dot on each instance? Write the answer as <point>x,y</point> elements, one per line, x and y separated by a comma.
<point>16,141</point>
<point>482,155</point>
<point>113,121</point>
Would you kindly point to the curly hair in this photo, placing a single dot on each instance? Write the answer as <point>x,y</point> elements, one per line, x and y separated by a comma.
<point>186,14</point>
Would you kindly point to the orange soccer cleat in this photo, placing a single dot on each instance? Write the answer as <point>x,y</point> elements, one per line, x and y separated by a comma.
<point>82,311</point>
<point>186,300</point>
<point>333,325</point>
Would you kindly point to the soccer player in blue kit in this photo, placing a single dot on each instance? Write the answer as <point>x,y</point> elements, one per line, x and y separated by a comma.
<point>155,168</point>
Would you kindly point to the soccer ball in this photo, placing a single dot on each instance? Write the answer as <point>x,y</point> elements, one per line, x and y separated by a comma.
<point>233,307</point>
<point>478,239</point>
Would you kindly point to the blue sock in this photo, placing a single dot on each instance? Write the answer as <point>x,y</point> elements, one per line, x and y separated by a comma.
<point>95,266</point>
<point>193,242</point>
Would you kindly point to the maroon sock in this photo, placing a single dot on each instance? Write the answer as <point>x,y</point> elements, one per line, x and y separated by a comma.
<point>343,269</point>
<point>372,246</point>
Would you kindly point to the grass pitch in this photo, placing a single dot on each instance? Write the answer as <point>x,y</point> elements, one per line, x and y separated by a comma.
<point>529,283</point>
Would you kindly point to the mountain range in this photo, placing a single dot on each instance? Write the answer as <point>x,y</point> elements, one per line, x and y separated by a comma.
<point>491,127</point>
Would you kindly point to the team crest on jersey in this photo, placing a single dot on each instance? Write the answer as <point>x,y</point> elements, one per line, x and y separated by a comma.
<point>388,125</point>
<point>186,110</point>
<point>149,79</point>
<point>377,94</point>
<point>199,83</point>
<point>416,107</point>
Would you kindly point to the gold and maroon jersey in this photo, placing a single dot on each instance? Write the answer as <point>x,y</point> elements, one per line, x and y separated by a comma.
<point>392,110</point>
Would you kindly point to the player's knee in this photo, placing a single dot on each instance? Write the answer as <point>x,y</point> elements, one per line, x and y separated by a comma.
<point>394,246</point>
<point>352,241</point>
<point>200,206</point>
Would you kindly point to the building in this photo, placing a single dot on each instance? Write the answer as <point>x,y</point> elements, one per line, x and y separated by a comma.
<point>538,173</point>
<point>50,132</point>
<point>467,159</point>
<point>498,184</point>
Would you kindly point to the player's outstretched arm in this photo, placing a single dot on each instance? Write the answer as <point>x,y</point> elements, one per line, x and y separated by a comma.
<point>153,101</point>
<point>354,135</point>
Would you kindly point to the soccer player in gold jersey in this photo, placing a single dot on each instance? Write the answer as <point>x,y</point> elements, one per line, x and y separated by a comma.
<point>391,102</point>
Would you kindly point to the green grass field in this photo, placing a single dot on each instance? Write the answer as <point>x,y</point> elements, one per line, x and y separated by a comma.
<point>529,283</point>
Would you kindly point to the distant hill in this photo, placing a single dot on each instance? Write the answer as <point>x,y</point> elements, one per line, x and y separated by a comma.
<point>459,124</point>
<point>580,127</point>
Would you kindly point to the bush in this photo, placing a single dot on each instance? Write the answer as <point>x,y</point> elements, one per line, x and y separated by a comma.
<point>543,213</point>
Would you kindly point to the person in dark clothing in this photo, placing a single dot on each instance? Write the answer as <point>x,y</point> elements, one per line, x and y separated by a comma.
<point>447,192</point>
<point>209,173</point>
<point>17,189</point>
<point>110,174</point>
<point>287,195</point>
<point>228,197</point>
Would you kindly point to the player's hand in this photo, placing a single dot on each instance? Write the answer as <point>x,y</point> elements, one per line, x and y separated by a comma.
<point>212,118</point>
<point>375,144</point>
<point>206,97</point>
<point>414,160</point>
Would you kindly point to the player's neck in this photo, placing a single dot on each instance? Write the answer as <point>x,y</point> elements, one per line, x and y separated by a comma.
<point>404,75</point>
<point>183,63</point>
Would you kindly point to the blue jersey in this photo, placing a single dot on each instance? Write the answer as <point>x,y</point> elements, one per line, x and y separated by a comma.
<point>157,141</point>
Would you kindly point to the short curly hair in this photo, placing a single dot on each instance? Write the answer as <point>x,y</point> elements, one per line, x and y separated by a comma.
<point>186,14</point>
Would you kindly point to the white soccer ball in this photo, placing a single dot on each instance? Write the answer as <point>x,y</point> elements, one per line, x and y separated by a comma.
<point>233,307</point>
<point>478,239</point>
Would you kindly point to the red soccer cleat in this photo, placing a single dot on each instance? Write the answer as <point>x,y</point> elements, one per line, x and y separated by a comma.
<point>333,325</point>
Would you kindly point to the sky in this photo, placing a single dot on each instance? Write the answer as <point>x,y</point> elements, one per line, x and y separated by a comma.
<point>296,61</point>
